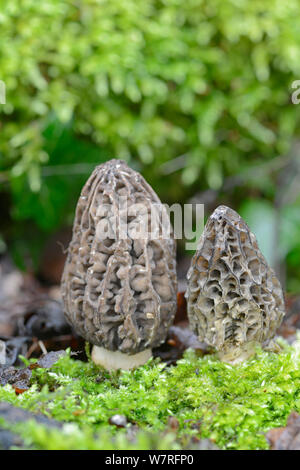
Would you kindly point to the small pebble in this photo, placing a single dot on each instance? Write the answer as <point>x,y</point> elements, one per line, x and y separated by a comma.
<point>118,420</point>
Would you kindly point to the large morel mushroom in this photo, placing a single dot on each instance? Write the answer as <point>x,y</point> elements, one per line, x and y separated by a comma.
<point>235,301</point>
<point>119,290</point>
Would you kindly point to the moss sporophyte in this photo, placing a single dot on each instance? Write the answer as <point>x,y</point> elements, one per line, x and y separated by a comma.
<point>234,406</point>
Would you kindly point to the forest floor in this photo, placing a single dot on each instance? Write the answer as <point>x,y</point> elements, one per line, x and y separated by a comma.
<point>53,397</point>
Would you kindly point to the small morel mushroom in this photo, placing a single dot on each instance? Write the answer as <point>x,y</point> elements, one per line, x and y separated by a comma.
<point>234,299</point>
<point>119,284</point>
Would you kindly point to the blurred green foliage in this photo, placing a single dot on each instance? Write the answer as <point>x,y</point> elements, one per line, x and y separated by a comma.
<point>189,93</point>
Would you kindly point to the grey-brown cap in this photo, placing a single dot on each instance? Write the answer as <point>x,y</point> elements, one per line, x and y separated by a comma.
<point>233,296</point>
<point>119,291</point>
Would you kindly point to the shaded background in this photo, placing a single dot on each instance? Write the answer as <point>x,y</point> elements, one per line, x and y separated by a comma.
<point>195,95</point>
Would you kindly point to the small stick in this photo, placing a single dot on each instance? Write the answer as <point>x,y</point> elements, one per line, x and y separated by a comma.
<point>42,346</point>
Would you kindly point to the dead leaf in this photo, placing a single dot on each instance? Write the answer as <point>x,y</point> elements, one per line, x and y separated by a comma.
<point>19,379</point>
<point>181,313</point>
<point>50,358</point>
<point>286,438</point>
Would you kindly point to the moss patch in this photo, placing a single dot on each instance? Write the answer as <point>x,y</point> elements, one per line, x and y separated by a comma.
<point>232,405</point>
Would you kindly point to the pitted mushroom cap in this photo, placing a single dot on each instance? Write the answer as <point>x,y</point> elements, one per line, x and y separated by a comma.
<point>233,296</point>
<point>119,292</point>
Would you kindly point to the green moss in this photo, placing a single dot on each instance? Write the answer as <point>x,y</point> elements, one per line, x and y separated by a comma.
<point>232,405</point>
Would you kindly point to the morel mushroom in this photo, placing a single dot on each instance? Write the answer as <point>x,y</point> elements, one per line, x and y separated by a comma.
<point>235,301</point>
<point>118,288</point>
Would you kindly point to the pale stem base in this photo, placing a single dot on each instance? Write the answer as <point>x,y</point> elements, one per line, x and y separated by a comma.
<point>238,354</point>
<point>114,360</point>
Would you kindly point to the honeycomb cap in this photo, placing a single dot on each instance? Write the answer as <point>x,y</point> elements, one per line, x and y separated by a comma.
<point>234,298</point>
<point>119,293</point>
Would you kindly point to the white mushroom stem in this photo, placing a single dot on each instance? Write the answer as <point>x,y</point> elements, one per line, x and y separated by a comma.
<point>113,360</point>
